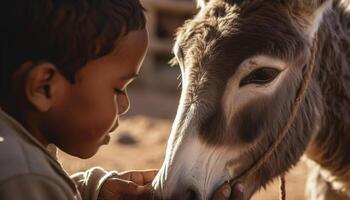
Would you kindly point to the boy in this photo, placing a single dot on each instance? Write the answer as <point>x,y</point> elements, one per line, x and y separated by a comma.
<point>65,66</point>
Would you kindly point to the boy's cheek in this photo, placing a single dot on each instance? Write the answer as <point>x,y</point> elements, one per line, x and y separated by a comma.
<point>86,118</point>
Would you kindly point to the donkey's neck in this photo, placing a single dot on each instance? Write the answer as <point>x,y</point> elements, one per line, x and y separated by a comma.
<point>331,147</point>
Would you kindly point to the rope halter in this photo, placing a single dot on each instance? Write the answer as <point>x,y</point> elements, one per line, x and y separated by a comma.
<point>295,110</point>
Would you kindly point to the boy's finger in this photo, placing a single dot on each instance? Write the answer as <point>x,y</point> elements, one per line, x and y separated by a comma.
<point>223,193</point>
<point>149,175</point>
<point>131,176</point>
<point>119,186</point>
<point>140,177</point>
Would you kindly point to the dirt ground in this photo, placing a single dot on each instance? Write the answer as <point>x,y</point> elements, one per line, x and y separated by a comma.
<point>140,142</point>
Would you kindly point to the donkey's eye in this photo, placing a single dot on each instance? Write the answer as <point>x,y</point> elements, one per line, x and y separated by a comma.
<point>260,76</point>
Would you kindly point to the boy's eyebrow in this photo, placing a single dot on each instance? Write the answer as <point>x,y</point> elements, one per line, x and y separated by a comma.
<point>129,77</point>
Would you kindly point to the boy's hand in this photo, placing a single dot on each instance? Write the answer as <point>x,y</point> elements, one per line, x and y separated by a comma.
<point>227,192</point>
<point>136,185</point>
<point>128,185</point>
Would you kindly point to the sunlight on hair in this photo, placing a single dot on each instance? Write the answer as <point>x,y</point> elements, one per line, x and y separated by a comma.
<point>201,3</point>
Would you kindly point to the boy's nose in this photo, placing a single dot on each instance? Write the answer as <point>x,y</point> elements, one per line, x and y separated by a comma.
<point>123,104</point>
<point>115,126</point>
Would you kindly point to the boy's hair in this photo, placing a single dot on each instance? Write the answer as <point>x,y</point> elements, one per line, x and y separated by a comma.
<point>67,33</point>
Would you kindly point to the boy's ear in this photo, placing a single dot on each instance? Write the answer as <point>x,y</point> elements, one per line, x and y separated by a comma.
<point>40,85</point>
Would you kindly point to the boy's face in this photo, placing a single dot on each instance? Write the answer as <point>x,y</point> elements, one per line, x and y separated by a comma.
<point>83,114</point>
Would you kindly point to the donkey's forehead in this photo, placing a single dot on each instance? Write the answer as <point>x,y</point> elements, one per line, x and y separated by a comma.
<point>229,34</point>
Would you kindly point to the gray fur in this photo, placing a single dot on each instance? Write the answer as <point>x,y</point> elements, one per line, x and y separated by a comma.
<point>226,32</point>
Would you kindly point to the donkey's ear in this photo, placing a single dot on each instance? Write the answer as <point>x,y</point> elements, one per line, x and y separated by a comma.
<point>309,14</point>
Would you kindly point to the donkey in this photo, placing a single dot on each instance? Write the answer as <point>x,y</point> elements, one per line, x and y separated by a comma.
<point>242,64</point>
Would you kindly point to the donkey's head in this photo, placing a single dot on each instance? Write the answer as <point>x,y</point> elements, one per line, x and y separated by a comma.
<point>242,65</point>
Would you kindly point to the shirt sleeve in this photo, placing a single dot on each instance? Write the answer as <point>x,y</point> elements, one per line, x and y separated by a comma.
<point>89,182</point>
<point>33,187</point>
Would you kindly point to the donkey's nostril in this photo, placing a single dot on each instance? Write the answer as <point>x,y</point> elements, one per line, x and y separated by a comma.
<point>191,195</point>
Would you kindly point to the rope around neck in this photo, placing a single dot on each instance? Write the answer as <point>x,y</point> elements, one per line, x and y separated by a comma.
<point>295,109</point>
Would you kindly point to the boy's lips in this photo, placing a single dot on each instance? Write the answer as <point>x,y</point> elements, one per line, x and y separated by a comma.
<point>106,139</point>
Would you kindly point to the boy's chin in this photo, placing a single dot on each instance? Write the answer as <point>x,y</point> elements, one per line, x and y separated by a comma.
<point>84,154</point>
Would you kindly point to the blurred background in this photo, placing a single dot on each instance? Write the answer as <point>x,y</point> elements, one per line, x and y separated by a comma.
<point>140,141</point>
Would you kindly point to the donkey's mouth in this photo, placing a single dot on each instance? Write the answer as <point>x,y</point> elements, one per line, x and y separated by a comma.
<point>197,176</point>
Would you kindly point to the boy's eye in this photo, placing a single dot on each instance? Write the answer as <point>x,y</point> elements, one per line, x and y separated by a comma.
<point>118,91</point>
